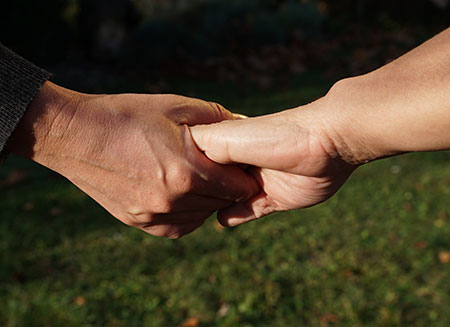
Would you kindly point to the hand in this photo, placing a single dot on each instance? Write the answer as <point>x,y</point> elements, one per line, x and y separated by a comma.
<point>297,163</point>
<point>134,155</point>
<point>307,153</point>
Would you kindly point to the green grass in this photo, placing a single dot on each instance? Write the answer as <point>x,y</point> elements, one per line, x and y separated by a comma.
<point>367,257</point>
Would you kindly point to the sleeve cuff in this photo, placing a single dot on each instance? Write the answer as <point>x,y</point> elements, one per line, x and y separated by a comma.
<point>20,81</point>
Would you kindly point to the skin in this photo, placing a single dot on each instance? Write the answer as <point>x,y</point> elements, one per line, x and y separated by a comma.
<point>302,156</point>
<point>134,155</point>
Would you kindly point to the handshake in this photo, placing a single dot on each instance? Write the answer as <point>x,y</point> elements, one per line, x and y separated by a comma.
<point>165,163</point>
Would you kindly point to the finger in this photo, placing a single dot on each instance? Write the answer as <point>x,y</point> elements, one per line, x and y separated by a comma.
<point>185,217</point>
<point>239,116</point>
<point>219,181</point>
<point>252,209</point>
<point>199,202</point>
<point>194,112</point>
<point>228,183</point>
<point>240,213</point>
<point>173,231</point>
<point>267,141</point>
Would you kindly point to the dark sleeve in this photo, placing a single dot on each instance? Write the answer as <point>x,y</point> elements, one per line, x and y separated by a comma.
<point>20,81</point>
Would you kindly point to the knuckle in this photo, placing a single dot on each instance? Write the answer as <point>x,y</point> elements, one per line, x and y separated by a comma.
<point>130,222</point>
<point>220,110</point>
<point>151,229</point>
<point>183,180</point>
<point>163,206</point>
<point>170,232</point>
<point>138,218</point>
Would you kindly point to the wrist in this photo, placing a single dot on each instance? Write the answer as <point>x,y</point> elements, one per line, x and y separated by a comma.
<point>355,121</point>
<point>41,132</point>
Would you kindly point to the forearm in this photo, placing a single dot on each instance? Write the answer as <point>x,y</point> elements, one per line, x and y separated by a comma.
<point>401,107</point>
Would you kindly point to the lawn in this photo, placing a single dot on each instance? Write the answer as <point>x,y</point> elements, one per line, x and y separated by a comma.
<point>376,254</point>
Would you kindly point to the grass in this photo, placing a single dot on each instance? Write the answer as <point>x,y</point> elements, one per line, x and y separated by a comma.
<point>367,257</point>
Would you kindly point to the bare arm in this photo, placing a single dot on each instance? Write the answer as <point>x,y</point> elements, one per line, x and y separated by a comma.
<point>403,106</point>
<point>305,154</point>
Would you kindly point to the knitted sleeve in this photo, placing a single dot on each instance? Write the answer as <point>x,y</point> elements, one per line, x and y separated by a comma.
<point>20,81</point>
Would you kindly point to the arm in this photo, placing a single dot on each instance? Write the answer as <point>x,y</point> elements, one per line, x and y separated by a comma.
<point>401,107</point>
<point>307,153</point>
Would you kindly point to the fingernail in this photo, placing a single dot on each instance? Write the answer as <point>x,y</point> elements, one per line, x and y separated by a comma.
<point>239,116</point>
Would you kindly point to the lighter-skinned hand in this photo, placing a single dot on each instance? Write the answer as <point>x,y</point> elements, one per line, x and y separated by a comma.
<point>306,154</point>
<point>291,156</point>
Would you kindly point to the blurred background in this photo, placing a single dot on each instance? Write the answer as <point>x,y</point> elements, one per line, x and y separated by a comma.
<point>376,254</point>
<point>248,43</point>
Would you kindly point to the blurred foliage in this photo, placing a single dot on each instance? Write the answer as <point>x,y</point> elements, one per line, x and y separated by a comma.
<point>226,40</point>
<point>221,28</point>
<point>36,29</point>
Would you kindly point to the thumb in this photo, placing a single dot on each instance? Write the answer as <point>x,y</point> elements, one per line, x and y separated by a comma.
<point>222,142</point>
<point>266,141</point>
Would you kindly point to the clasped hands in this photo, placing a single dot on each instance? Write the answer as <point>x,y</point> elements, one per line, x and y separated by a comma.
<point>165,163</point>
